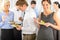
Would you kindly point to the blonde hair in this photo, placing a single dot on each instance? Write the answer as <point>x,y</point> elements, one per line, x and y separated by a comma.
<point>4,2</point>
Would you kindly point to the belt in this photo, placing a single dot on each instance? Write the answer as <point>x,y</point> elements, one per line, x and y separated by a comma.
<point>19,24</point>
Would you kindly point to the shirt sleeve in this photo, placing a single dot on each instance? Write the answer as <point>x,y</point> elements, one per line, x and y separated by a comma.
<point>1,22</point>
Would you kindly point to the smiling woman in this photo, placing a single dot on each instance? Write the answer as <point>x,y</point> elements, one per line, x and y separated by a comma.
<point>45,33</point>
<point>5,17</point>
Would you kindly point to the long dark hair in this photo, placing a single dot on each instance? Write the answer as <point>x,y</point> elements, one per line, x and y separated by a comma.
<point>57,3</point>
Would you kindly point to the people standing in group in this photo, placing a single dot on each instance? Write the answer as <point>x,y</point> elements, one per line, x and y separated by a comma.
<point>51,22</point>
<point>6,16</point>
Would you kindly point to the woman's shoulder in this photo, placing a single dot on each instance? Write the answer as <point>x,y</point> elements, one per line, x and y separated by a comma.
<point>56,15</point>
<point>11,12</point>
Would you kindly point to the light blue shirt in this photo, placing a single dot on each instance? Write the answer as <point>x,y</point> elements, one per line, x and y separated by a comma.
<point>36,11</point>
<point>6,24</point>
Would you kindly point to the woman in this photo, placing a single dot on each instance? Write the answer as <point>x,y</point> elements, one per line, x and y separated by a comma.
<point>49,18</point>
<point>5,17</point>
<point>57,11</point>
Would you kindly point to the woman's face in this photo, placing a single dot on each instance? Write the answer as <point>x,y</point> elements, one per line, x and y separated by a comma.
<point>7,6</point>
<point>55,6</point>
<point>46,5</point>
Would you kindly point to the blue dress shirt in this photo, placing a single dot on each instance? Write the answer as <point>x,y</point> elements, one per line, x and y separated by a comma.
<point>6,24</point>
<point>36,11</point>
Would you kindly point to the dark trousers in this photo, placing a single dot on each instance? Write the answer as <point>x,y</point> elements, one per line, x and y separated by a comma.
<point>56,34</point>
<point>7,34</point>
<point>17,34</point>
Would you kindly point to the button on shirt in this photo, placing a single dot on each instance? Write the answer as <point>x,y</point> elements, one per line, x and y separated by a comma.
<point>29,27</point>
<point>9,17</point>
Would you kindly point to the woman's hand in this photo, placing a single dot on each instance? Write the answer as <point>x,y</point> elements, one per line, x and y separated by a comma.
<point>3,18</point>
<point>47,24</point>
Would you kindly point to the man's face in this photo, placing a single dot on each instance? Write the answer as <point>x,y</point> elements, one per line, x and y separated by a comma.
<point>33,5</point>
<point>23,8</point>
<point>17,7</point>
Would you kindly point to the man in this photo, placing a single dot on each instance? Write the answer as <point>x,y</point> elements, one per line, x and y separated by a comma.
<point>29,27</point>
<point>33,6</point>
<point>18,19</point>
